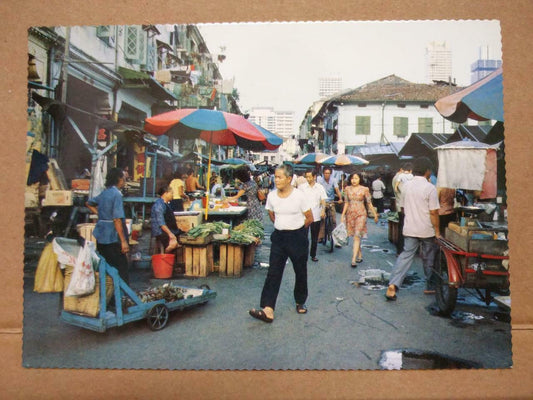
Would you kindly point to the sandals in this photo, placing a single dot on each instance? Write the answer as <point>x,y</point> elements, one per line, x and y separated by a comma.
<point>301,309</point>
<point>353,265</point>
<point>260,315</point>
<point>359,260</point>
<point>391,293</point>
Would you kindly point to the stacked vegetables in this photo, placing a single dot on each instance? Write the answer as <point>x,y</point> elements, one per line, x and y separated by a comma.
<point>248,232</point>
<point>168,292</point>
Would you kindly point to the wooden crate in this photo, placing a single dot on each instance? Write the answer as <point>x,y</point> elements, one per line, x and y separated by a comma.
<point>231,260</point>
<point>198,260</point>
<point>249,255</point>
<point>394,231</point>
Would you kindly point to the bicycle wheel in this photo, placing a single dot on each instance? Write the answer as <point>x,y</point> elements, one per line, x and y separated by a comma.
<point>446,295</point>
<point>328,237</point>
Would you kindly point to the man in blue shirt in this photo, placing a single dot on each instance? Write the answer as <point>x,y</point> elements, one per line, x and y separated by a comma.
<point>110,230</point>
<point>332,187</point>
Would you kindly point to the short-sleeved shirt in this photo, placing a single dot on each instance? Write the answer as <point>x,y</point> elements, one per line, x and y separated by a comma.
<point>419,197</point>
<point>110,207</point>
<point>160,215</point>
<point>289,210</point>
<point>329,186</point>
<point>315,194</point>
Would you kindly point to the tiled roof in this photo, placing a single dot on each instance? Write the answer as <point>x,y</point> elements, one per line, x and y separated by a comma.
<point>395,89</point>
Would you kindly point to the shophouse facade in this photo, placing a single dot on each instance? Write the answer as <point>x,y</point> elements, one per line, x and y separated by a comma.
<point>91,87</point>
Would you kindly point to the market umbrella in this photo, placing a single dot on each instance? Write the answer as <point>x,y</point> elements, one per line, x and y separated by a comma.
<point>311,158</point>
<point>342,160</point>
<point>215,127</point>
<point>481,101</point>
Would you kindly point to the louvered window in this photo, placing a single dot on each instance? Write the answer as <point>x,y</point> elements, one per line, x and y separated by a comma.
<point>401,126</point>
<point>425,125</point>
<point>135,44</point>
<point>362,125</point>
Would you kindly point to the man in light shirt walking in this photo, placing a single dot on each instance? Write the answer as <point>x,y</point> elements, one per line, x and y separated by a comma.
<point>316,195</point>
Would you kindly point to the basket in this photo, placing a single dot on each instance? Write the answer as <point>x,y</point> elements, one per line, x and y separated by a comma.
<point>163,265</point>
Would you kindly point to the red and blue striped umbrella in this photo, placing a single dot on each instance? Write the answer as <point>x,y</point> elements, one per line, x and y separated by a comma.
<point>216,127</point>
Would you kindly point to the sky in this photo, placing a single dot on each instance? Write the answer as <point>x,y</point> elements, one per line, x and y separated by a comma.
<point>278,64</point>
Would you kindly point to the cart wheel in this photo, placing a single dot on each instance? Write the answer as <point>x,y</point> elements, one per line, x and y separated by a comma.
<point>446,295</point>
<point>204,286</point>
<point>157,317</point>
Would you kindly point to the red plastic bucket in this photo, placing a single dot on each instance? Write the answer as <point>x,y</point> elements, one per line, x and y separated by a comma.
<point>162,265</point>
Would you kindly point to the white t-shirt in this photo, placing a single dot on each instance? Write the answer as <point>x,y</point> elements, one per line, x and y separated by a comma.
<point>377,189</point>
<point>289,211</point>
<point>419,197</point>
<point>402,179</point>
<point>315,195</point>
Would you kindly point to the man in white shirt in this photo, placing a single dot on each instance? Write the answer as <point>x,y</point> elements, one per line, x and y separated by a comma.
<point>421,227</point>
<point>291,214</point>
<point>316,195</point>
<point>404,175</point>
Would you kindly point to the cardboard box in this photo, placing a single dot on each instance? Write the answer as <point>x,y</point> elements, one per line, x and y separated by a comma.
<point>57,198</point>
<point>80,184</point>
<point>188,219</point>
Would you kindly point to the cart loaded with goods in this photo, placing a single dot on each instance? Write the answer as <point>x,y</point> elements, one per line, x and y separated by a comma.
<point>90,283</point>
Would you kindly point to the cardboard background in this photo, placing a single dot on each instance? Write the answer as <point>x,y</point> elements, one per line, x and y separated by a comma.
<point>516,18</point>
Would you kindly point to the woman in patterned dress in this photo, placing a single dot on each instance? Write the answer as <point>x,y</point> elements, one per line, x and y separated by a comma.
<point>249,189</point>
<point>354,214</point>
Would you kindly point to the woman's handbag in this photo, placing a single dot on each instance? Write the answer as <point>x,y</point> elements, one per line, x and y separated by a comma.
<point>340,236</point>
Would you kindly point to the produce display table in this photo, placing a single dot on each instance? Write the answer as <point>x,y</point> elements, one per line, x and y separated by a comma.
<point>231,260</point>
<point>228,215</point>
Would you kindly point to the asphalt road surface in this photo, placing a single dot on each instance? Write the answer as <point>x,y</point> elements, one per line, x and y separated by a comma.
<point>348,326</point>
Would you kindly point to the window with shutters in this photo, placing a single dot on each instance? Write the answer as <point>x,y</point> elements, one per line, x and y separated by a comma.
<point>425,125</point>
<point>135,44</point>
<point>106,33</point>
<point>401,126</point>
<point>362,125</point>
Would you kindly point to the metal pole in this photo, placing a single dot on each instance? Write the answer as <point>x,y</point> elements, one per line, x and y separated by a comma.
<point>64,66</point>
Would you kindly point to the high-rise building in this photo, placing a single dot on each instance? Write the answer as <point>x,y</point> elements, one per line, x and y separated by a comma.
<point>328,86</point>
<point>484,65</point>
<point>279,122</point>
<point>438,62</point>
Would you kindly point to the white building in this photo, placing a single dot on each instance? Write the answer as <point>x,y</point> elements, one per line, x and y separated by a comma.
<point>385,111</point>
<point>328,86</point>
<point>438,62</point>
<point>279,122</point>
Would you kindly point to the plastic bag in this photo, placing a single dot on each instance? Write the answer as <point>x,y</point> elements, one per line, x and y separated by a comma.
<point>83,280</point>
<point>340,236</point>
<point>48,276</point>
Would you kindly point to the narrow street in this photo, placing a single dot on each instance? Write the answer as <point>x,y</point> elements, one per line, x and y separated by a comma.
<point>347,326</point>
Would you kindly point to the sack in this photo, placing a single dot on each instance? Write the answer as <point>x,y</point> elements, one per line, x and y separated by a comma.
<point>83,280</point>
<point>340,236</point>
<point>48,276</point>
<point>261,194</point>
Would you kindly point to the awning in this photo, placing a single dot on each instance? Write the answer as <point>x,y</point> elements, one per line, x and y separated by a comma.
<point>141,80</point>
<point>422,144</point>
<point>481,101</point>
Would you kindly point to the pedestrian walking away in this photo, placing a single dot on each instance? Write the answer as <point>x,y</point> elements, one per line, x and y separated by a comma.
<point>403,175</point>
<point>421,227</point>
<point>354,215</point>
<point>289,210</point>
<point>316,194</point>
<point>378,187</point>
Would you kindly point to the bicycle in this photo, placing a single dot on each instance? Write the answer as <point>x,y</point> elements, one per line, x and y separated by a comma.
<point>328,228</point>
